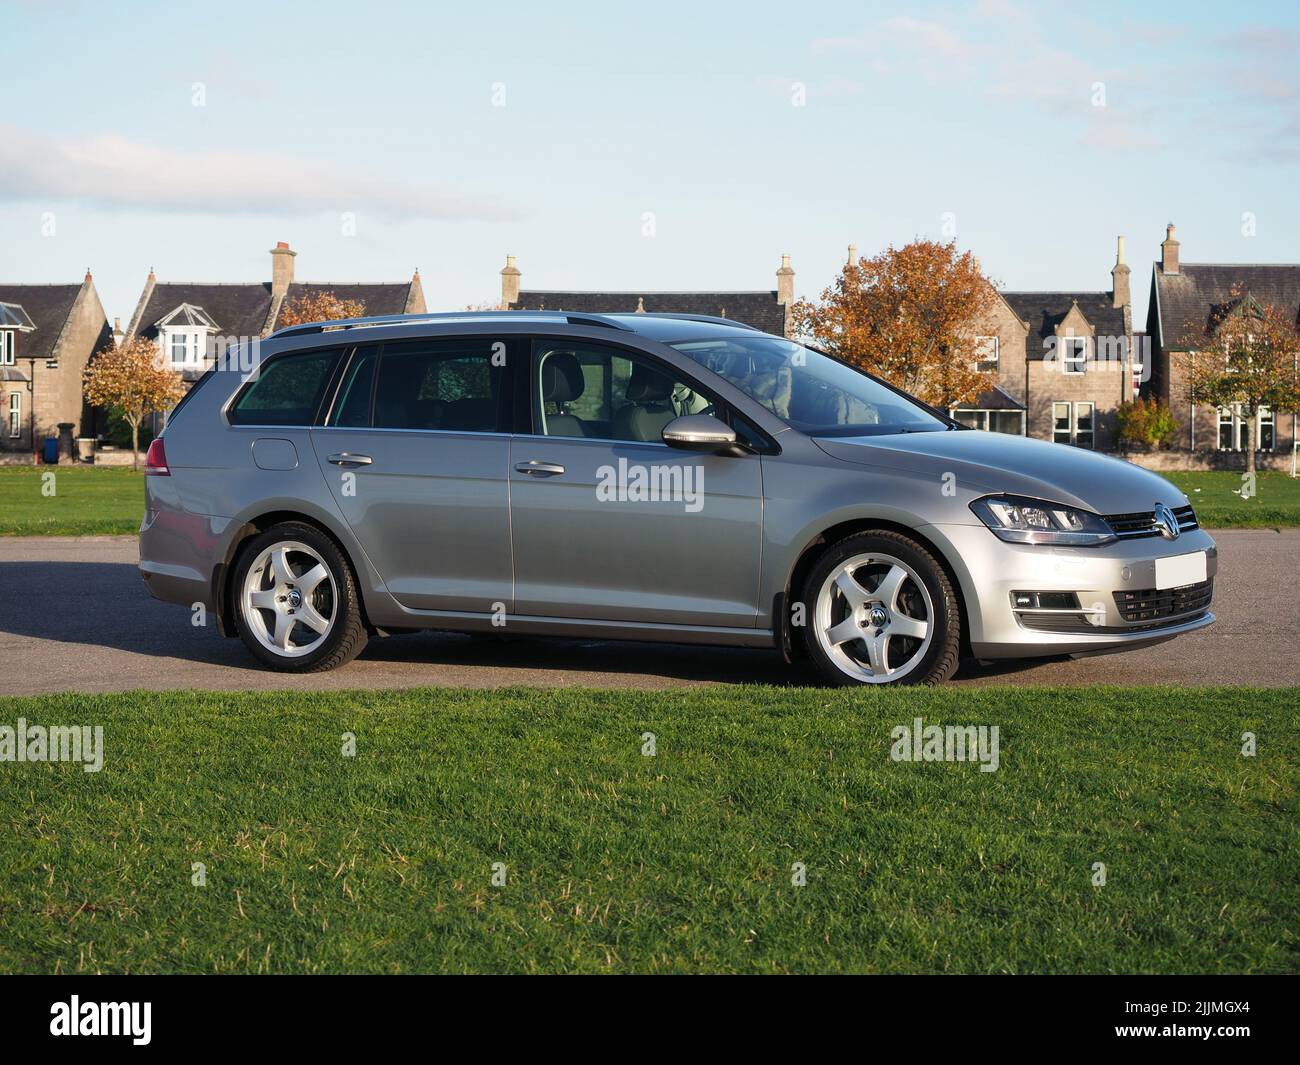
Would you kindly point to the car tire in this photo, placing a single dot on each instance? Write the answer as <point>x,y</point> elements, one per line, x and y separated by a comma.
<point>880,609</point>
<point>295,601</point>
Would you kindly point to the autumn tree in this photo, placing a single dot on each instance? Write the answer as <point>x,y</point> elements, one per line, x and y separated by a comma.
<point>318,307</point>
<point>910,315</point>
<point>1246,356</point>
<point>134,378</point>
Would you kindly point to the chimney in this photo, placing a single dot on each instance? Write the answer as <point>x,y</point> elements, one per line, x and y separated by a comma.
<point>785,282</point>
<point>853,256</point>
<point>1119,289</point>
<point>509,283</point>
<point>1169,252</point>
<point>281,269</point>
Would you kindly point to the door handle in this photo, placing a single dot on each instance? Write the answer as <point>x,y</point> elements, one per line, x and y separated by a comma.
<point>539,469</point>
<point>345,458</point>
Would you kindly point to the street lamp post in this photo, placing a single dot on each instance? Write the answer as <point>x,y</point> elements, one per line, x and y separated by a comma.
<point>31,402</point>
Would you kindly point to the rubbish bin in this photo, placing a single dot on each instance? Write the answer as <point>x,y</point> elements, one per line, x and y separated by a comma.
<point>50,453</point>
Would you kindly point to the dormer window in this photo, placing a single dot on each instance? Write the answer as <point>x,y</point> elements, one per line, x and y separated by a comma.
<point>183,336</point>
<point>7,347</point>
<point>1074,354</point>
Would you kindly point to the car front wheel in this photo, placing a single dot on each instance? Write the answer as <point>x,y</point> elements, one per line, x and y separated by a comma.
<point>296,601</point>
<point>880,609</point>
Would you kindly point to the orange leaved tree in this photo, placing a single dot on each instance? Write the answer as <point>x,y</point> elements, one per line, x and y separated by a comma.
<point>1247,358</point>
<point>134,378</point>
<point>318,307</point>
<point>910,315</point>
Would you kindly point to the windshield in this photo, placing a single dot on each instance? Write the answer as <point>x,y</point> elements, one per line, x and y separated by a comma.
<point>808,390</point>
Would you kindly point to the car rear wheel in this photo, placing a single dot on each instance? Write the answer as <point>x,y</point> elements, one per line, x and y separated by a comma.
<point>296,602</point>
<point>879,609</point>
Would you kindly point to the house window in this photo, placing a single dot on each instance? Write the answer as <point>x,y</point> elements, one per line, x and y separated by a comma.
<point>1011,422</point>
<point>1073,423</point>
<point>1074,354</point>
<point>180,343</point>
<point>6,347</point>
<point>15,415</point>
<point>1232,429</point>
<point>987,352</point>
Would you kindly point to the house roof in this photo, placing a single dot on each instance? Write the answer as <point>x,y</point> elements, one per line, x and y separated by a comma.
<point>995,398</point>
<point>1192,300</point>
<point>1044,311</point>
<point>759,309</point>
<point>48,307</point>
<point>241,309</point>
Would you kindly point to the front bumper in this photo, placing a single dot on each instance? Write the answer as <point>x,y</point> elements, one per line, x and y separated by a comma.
<point>990,569</point>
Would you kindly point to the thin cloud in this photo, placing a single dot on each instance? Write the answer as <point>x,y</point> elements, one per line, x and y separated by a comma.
<point>112,171</point>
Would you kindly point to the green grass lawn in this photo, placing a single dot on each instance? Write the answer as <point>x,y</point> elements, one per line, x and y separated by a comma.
<point>1275,505</point>
<point>86,501</point>
<point>680,862</point>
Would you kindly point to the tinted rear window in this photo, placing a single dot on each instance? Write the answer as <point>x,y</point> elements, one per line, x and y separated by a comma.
<point>287,391</point>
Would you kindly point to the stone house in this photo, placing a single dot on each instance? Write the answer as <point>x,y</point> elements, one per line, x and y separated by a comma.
<point>1063,363</point>
<point>48,334</point>
<point>765,309</point>
<point>186,318</point>
<point>1187,300</point>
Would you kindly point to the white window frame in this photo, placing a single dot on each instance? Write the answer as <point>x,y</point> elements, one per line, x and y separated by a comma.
<point>984,344</point>
<point>1236,422</point>
<point>1074,435</point>
<point>1072,363</point>
<point>985,417</point>
<point>8,346</point>
<point>15,415</point>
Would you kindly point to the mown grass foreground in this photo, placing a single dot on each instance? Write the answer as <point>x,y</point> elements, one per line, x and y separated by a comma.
<point>683,861</point>
<point>70,501</point>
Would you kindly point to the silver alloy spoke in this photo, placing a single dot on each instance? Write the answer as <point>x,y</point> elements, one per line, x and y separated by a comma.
<point>280,565</point>
<point>887,590</point>
<point>848,629</point>
<point>311,617</point>
<point>283,626</point>
<point>878,654</point>
<point>852,591</point>
<point>308,581</point>
<point>264,600</point>
<point>902,625</point>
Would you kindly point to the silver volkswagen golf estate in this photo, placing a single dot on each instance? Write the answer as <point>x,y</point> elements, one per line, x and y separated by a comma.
<point>643,477</point>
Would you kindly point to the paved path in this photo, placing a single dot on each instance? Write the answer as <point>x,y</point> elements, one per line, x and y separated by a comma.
<point>74,615</point>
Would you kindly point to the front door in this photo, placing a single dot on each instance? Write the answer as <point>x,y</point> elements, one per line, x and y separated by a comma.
<point>416,451</point>
<point>610,523</point>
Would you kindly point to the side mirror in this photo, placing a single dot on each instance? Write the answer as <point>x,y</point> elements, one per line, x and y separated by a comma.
<point>699,432</point>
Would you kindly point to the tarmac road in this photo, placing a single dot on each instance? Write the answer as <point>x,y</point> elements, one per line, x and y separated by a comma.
<point>75,616</point>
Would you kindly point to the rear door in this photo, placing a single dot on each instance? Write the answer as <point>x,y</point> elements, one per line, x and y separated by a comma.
<point>609,522</point>
<point>416,450</point>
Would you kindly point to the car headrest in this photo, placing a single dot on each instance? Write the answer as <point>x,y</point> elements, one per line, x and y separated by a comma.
<point>562,379</point>
<point>648,385</point>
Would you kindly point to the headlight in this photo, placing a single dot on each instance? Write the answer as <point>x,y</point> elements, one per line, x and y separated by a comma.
<point>1036,521</point>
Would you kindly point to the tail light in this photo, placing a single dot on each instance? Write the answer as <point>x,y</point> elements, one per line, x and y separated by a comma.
<point>155,460</point>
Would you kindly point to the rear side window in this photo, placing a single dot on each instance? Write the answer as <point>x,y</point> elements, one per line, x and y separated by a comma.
<point>352,408</point>
<point>287,391</point>
<point>453,385</point>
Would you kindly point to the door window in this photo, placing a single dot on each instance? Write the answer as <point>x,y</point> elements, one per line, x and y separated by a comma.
<point>448,385</point>
<point>587,391</point>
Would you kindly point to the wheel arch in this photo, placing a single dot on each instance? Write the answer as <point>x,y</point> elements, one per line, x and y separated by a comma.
<point>815,546</point>
<point>255,525</point>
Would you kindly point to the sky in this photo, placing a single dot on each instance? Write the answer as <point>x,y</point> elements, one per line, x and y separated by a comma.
<point>664,146</point>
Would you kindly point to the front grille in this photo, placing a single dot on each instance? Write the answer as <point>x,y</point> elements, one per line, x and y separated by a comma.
<point>1143,524</point>
<point>1152,605</point>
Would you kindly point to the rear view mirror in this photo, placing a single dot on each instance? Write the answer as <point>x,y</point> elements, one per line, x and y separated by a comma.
<point>699,432</point>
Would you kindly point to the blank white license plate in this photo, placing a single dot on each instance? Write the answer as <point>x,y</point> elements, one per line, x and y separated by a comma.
<point>1177,570</point>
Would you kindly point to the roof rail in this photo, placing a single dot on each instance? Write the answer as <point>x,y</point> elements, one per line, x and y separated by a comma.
<point>307,328</point>
<point>716,319</point>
